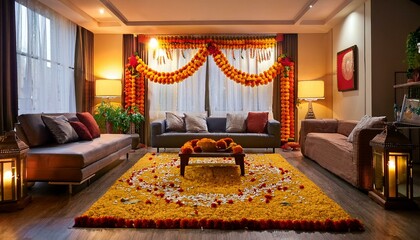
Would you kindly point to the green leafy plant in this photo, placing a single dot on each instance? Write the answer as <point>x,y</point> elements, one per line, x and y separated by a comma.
<point>119,118</point>
<point>412,54</point>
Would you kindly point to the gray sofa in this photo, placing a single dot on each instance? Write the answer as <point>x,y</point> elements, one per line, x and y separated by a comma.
<point>325,141</point>
<point>69,163</point>
<point>160,138</point>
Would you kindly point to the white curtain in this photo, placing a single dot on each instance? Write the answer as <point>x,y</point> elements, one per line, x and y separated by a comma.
<point>45,56</point>
<point>225,95</point>
<point>186,96</point>
<point>229,96</point>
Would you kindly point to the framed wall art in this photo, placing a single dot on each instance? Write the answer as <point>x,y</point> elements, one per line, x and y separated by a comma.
<point>347,69</point>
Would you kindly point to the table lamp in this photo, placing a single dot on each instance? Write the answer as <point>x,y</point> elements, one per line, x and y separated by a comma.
<point>310,90</point>
<point>108,88</point>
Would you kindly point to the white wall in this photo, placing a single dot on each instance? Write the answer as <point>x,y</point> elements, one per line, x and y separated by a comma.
<point>351,104</point>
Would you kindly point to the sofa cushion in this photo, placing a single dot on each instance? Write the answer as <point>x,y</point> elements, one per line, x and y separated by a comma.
<point>174,122</point>
<point>196,122</point>
<point>365,122</point>
<point>60,128</point>
<point>81,130</point>
<point>256,122</point>
<point>87,119</point>
<point>235,122</point>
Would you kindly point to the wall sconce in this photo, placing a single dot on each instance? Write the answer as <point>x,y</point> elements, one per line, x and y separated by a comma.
<point>108,88</point>
<point>13,189</point>
<point>310,90</point>
<point>392,169</point>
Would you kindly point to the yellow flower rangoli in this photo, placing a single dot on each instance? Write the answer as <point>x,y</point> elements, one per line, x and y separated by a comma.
<point>271,195</point>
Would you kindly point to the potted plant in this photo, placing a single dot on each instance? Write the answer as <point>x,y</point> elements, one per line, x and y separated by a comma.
<point>413,55</point>
<point>117,119</point>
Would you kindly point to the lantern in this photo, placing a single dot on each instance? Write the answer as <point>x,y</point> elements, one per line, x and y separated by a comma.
<point>392,169</point>
<point>13,191</point>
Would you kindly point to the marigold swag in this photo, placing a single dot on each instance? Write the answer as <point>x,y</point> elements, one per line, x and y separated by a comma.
<point>271,195</point>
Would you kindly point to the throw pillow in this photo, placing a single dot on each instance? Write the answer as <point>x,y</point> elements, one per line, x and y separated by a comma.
<point>365,122</point>
<point>196,122</point>
<point>235,122</point>
<point>61,129</point>
<point>174,122</point>
<point>81,130</point>
<point>256,122</point>
<point>87,119</point>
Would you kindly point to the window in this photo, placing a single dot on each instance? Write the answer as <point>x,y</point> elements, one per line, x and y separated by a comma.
<point>45,45</point>
<point>224,95</point>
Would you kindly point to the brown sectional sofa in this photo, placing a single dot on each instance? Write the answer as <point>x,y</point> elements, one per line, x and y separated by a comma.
<point>325,142</point>
<point>69,163</point>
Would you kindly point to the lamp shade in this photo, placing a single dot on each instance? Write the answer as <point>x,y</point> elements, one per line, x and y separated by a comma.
<point>311,89</point>
<point>108,87</point>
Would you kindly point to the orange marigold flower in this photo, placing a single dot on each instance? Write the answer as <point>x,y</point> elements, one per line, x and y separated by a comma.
<point>237,149</point>
<point>221,144</point>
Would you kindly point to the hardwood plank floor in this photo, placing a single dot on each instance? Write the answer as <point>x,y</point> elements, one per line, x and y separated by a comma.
<point>52,210</point>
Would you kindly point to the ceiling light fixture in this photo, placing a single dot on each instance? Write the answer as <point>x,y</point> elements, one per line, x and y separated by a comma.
<point>101,11</point>
<point>310,6</point>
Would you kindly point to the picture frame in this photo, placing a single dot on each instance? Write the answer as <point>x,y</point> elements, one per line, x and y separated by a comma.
<point>347,69</point>
<point>410,111</point>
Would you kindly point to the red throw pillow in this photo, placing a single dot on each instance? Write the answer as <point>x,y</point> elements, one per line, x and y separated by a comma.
<point>81,130</point>
<point>87,119</point>
<point>256,122</point>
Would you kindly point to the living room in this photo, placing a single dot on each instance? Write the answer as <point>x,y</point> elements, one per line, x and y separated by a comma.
<point>381,43</point>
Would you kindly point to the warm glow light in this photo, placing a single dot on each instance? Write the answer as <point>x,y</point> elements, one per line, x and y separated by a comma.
<point>8,175</point>
<point>108,87</point>
<point>391,175</point>
<point>101,11</point>
<point>153,43</point>
<point>311,90</point>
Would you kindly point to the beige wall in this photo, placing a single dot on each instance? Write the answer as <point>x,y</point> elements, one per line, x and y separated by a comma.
<point>314,56</point>
<point>108,58</point>
<point>350,32</point>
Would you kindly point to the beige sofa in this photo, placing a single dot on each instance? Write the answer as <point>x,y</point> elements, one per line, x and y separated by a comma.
<point>326,142</point>
<point>69,163</point>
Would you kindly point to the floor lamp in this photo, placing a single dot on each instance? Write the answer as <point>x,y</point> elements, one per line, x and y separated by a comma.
<point>310,90</point>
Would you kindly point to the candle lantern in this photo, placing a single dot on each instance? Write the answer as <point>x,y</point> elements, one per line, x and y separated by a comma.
<point>13,191</point>
<point>392,169</point>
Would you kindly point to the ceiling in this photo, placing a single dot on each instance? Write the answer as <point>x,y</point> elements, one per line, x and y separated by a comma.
<point>205,17</point>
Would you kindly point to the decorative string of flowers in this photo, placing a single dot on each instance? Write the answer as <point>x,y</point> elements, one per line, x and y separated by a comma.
<point>287,112</point>
<point>137,71</point>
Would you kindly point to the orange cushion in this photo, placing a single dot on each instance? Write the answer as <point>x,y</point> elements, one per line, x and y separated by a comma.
<point>87,119</point>
<point>256,122</point>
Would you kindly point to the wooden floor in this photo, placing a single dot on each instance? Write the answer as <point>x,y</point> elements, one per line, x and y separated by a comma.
<point>52,210</point>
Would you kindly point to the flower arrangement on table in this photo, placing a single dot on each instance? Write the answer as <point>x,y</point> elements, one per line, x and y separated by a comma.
<point>211,145</point>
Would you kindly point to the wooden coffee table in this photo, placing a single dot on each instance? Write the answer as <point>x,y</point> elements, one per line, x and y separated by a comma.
<point>239,159</point>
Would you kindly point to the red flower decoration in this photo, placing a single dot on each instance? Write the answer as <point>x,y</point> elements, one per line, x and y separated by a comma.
<point>133,61</point>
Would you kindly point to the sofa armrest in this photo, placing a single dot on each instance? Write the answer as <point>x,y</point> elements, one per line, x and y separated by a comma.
<point>158,127</point>
<point>316,125</point>
<point>273,127</point>
<point>362,154</point>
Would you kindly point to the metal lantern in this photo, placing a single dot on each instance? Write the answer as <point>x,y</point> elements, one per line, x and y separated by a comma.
<point>13,191</point>
<point>392,169</point>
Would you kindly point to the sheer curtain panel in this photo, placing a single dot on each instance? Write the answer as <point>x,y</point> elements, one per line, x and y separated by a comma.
<point>45,59</point>
<point>186,96</point>
<point>227,96</point>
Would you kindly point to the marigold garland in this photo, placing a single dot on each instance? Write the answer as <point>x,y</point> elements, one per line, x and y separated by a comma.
<point>136,72</point>
<point>271,195</point>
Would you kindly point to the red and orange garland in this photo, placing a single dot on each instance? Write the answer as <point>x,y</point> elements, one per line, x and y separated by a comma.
<point>137,70</point>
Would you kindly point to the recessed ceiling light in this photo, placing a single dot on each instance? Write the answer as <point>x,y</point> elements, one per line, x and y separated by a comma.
<point>310,6</point>
<point>101,11</point>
